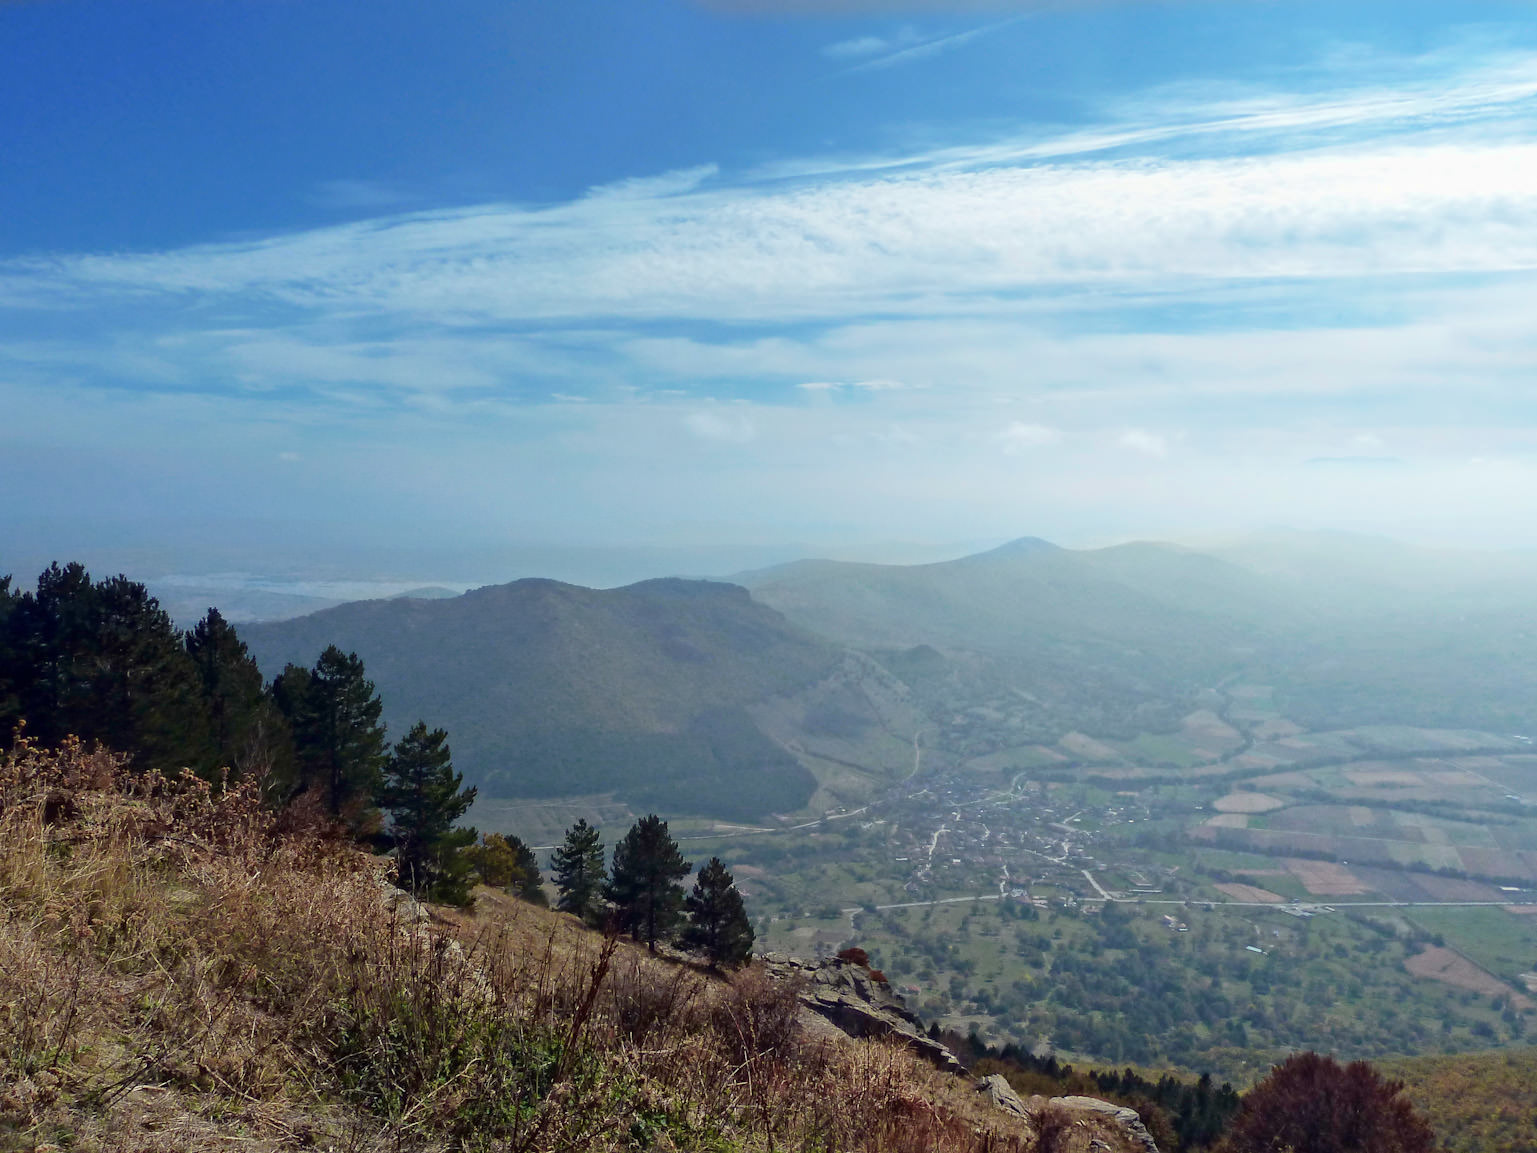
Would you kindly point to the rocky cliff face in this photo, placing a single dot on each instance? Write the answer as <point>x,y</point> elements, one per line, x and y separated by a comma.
<point>1073,1111</point>
<point>846,993</point>
<point>860,1003</point>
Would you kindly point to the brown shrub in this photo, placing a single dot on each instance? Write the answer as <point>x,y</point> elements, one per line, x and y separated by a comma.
<point>1312,1104</point>
<point>758,1016</point>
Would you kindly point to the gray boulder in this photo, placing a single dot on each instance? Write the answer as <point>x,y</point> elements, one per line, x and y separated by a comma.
<point>406,909</point>
<point>846,994</point>
<point>1126,1118</point>
<point>1001,1095</point>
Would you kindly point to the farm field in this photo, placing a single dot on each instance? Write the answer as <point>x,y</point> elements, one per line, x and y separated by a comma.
<point>1208,898</point>
<point>1439,963</point>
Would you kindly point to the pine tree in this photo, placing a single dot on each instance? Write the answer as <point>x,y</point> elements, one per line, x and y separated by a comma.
<point>527,882</point>
<point>10,670</point>
<point>102,661</point>
<point>247,735</point>
<point>54,641</point>
<point>424,796</point>
<point>579,873</point>
<point>718,926</point>
<point>339,741</point>
<point>643,883</point>
<point>146,690</point>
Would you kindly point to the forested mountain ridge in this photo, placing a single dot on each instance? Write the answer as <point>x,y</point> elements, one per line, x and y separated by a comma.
<point>554,689</point>
<point>1350,630</point>
<point>1129,597</point>
<point>700,697</point>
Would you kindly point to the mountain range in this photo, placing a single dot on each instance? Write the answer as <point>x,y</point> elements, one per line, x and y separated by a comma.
<point>806,686</point>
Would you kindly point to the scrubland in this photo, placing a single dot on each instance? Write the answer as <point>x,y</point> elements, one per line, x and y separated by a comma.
<point>181,969</point>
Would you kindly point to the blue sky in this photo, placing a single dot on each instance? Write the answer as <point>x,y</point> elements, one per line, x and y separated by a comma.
<point>327,279</point>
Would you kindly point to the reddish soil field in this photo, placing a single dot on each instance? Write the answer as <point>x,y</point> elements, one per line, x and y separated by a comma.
<point>1326,879</point>
<point>1451,968</point>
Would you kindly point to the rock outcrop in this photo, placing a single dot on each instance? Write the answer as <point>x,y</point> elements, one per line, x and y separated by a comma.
<point>403,907</point>
<point>1002,1096</point>
<point>1124,1121</point>
<point>860,1003</point>
<point>1125,1117</point>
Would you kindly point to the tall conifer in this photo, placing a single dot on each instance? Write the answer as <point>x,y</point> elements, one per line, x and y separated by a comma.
<point>102,661</point>
<point>246,734</point>
<point>579,873</point>
<point>643,883</point>
<point>10,702</point>
<point>424,796</point>
<point>717,919</point>
<point>339,741</point>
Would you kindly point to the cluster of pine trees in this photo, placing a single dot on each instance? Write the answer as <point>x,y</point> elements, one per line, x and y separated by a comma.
<point>102,661</point>
<point>641,891</point>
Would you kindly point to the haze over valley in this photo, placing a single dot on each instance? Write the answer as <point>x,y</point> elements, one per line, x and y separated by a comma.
<point>768,576</point>
<point>1316,745</point>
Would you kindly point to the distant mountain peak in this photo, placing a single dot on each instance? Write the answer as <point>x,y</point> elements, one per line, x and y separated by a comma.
<point>1023,546</point>
<point>428,593</point>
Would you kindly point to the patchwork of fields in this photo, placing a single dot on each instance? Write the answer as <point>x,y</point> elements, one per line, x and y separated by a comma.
<point>1211,896</point>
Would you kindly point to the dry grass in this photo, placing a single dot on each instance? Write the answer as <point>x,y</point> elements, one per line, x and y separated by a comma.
<point>177,971</point>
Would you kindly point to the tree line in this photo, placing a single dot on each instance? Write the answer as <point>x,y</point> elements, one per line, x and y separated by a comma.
<point>103,662</point>
<point>640,892</point>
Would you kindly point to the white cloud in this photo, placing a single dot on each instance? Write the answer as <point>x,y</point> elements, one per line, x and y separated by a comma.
<point>917,243</point>
<point>1020,436</point>
<point>855,48</point>
<point>1147,443</point>
<point>661,186</point>
<point>896,436</point>
<point>879,384</point>
<point>906,54</point>
<point>946,291</point>
<point>720,425</point>
<point>359,194</point>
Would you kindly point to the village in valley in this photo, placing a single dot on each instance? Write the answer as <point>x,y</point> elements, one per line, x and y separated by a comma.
<point>1377,882</point>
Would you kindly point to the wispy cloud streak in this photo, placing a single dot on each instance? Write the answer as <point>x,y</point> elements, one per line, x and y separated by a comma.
<point>927,48</point>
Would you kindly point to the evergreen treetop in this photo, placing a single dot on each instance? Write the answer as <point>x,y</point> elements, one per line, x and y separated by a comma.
<point>424,796</point>
<point>579,873</point>
<point>717,919</point>
<point>101,661</point>
<point>643,882</point>
<point>339,740</point>
<point>246,734</point>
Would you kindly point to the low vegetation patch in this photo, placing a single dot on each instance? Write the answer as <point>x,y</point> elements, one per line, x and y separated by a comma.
<point>176,963</point>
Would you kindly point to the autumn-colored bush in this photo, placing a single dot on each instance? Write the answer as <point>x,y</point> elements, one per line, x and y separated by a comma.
<point>1312,1104</point>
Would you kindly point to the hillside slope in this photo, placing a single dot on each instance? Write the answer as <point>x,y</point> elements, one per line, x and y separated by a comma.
<point>552,689</point>
<point>1349,631</point>
<point>177,972</point>
<point>1477,1102</point>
